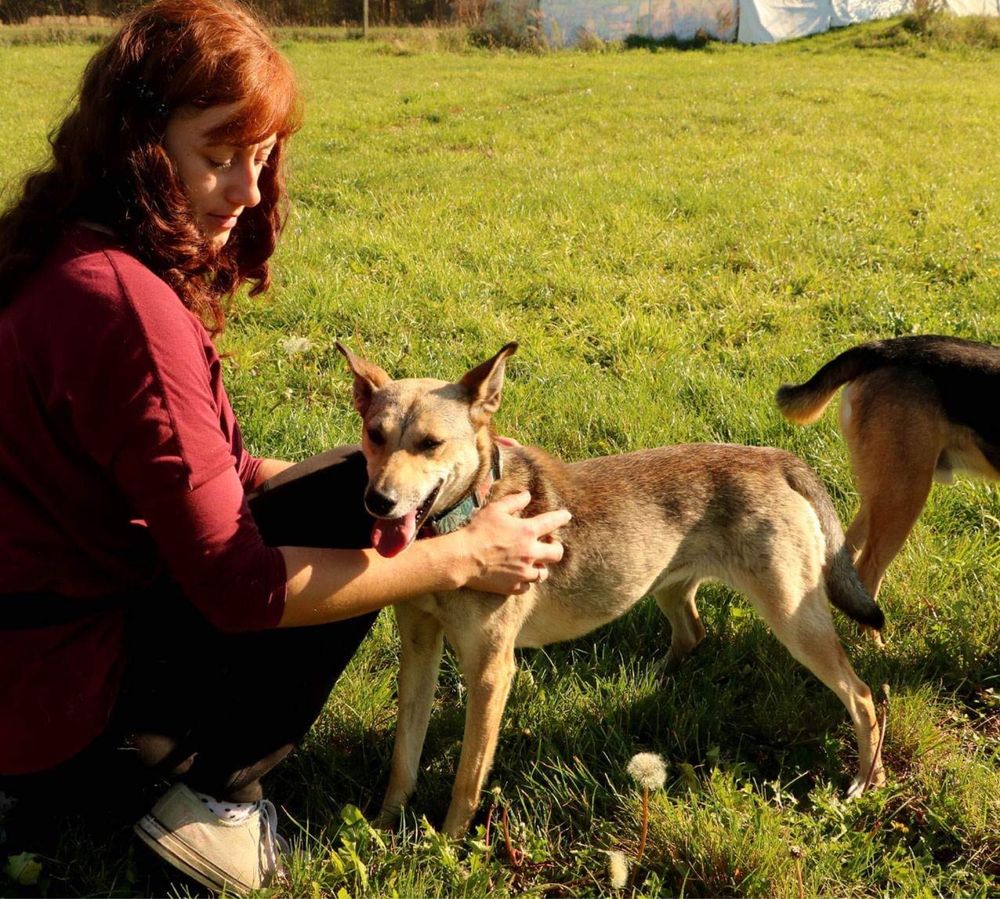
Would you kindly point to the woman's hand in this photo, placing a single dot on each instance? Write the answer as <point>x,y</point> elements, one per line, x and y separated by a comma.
<point>508,554</point>
<point>496,552</point>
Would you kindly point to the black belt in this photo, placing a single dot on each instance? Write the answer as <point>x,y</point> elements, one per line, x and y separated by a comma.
<point>23,611</point>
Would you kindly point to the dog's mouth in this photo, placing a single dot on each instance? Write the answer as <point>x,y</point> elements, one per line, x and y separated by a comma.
<point>390,536</point>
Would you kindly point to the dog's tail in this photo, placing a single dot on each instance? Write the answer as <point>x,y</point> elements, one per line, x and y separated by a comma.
<point>843,585</point>
<point>804,403</point>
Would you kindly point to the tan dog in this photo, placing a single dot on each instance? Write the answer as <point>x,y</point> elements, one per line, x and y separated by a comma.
<point>914,410</point>
<point>659,521</point>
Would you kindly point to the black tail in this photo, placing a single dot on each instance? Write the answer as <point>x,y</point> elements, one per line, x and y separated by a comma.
<point>843,585</point>
<point>804,403</point>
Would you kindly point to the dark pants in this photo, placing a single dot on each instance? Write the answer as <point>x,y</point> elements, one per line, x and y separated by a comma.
<point>215,710</point>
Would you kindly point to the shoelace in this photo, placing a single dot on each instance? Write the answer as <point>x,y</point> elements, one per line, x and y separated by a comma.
<point>271,842</point>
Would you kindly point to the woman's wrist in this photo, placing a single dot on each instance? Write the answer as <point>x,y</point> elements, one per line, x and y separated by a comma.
<point>459,563</point>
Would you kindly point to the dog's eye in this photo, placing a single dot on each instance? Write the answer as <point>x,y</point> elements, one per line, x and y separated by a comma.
<point>428,444</point>
<point>376,436</point>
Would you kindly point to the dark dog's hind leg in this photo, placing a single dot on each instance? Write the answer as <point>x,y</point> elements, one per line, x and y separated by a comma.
<point>677,602</point>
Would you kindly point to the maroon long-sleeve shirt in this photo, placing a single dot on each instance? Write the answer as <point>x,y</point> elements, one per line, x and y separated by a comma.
<point>120,458</point>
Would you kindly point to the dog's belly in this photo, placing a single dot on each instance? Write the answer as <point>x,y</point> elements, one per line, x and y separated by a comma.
<point>537,618</point>
<point>581,598</point>
<point>560,614</point>
<point>552,623</point>
<point>963,456</point>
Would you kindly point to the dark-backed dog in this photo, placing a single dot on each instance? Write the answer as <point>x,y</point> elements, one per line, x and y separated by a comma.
<point>915,409</point>
<point>654,522</point>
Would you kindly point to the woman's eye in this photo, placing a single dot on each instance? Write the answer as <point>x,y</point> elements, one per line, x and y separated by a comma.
<point>220,163</point>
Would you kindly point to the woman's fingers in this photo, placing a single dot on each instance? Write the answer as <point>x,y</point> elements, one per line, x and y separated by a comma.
<point>514,552</point>
<point>544,522</point>
<point>547,551</point>
<point>547,522</point>
<point>512,502</point>
<point>541,574</point>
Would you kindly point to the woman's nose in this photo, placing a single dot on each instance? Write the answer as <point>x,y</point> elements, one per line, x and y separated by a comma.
<point>242,189</point>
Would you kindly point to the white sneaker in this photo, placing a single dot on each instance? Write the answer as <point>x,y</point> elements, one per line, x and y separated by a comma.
<point>238,857</point>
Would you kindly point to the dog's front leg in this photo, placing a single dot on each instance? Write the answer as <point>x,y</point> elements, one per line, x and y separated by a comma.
<point>488,669</point>
<point>421,640</point>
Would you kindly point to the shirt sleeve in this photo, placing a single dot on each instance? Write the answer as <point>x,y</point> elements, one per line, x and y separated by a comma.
<point>152,419</point>
<point>247,464</point>
<point>248,467</point>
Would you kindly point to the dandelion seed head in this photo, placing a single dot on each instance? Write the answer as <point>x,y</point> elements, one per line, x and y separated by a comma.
<point>648,770</point>
<point>617,869</point>
<point>295,345</point>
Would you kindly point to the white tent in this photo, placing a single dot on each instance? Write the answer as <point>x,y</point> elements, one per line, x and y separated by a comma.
<point>746,21</point>
<point>849,12</point>
<point>973,7</point>
<point>565,20</point>
<point>767,21</point>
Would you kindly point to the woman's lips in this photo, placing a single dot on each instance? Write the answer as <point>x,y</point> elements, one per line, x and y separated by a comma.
<point>224,222</point>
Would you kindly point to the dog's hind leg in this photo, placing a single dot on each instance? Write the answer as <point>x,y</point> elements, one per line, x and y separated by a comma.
<point>677,602</point>
<point>857,533</point>
<point>799,616</point>
<point>894,446</point>
<point>891,507</point>
<point>895,441</point>
<point>421,642</point>
<point>487,662</point>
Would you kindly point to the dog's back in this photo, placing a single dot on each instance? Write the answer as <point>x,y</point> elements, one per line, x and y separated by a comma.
<point>914,410</point>
<point>692,511</point>
<point>960,377</point>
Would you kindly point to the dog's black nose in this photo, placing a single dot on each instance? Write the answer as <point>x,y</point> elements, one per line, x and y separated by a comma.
<point>378,504</point>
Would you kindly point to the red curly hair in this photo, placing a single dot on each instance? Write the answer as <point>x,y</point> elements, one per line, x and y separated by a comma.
<point>109,167</point>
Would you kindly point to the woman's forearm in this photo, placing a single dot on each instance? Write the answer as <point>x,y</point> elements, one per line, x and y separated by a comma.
<point>332,584</point>
<point>497,551</point>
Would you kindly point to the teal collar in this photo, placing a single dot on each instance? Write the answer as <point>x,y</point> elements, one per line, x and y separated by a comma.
<point>459,515</point>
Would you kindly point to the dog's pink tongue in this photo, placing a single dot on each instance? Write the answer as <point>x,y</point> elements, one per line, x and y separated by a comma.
<point>391,536</point>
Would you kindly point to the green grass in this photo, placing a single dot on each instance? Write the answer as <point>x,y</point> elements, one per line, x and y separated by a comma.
<point>670,235</point>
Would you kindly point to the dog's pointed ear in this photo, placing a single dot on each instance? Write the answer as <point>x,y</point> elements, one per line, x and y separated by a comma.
<point>484,383</point>
<point>368,378</point>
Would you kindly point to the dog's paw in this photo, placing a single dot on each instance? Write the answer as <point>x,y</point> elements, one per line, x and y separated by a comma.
<point>670,666</point>
<point>388,819</point>
<point>674,659</point>
<point>857,786</point>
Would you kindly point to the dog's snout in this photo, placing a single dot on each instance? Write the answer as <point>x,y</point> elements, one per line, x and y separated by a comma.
<point>378,503</point>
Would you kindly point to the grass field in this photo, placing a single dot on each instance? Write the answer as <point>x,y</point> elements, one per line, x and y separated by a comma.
<point>669,235</point>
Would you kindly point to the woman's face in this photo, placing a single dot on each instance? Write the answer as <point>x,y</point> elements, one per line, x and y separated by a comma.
<point>220,180</point>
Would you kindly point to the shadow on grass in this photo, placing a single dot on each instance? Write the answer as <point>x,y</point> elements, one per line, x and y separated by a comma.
<point>738,705</point>
<point>644,42</point>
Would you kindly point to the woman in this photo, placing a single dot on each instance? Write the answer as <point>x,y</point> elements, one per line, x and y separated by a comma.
<point>143,603</point>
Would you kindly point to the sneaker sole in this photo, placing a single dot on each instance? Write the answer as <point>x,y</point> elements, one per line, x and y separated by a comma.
<point>184,858</point>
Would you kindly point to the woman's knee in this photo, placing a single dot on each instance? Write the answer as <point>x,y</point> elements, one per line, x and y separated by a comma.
<point>161,755</point>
